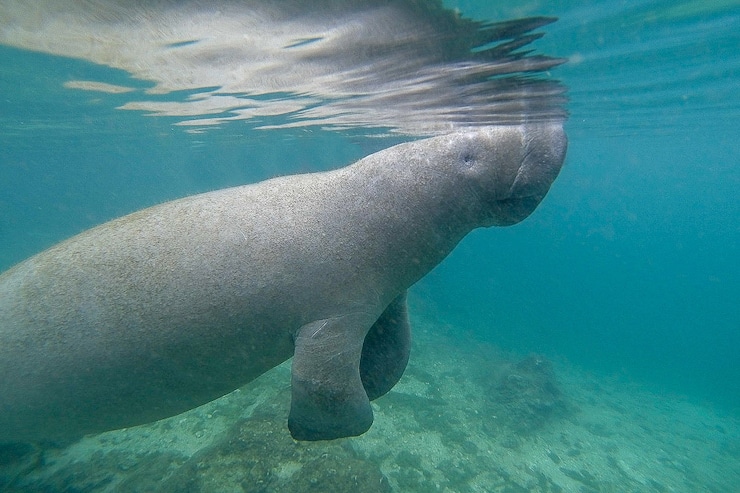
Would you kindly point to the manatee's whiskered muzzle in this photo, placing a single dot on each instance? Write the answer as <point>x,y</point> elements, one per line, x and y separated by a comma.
<point>522,171</point>
<point>543,155</point>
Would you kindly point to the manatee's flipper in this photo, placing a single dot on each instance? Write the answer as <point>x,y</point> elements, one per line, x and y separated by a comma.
<point>385,352</point>
<point>328,400</point>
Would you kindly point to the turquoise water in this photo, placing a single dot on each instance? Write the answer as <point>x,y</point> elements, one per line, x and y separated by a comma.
<point>631,263</point>
<point>629,267</point>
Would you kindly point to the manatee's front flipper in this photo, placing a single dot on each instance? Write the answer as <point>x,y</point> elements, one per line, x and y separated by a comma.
<point>328,399</point>
<point>385,352</point>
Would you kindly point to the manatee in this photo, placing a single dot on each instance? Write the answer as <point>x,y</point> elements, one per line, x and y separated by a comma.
<point>170,307</point>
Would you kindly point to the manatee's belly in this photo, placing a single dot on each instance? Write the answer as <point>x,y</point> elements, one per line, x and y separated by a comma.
<point>93,369</point>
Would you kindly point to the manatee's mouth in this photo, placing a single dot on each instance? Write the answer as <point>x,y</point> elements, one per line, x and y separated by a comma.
<point>510,211</point>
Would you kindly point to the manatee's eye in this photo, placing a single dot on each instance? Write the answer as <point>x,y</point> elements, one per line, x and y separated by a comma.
<point>468,159</point>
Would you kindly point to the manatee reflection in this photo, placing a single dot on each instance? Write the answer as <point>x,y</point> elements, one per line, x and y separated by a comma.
<point>410,66</point>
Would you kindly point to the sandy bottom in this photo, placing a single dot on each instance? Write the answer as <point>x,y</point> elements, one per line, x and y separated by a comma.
<point>464,418</point>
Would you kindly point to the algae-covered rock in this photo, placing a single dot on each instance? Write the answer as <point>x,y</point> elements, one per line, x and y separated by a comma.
<point>257,455</point>
<point>525,394</point>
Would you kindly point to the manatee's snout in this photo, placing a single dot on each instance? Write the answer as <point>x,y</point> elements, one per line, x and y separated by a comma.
<point>526,161</point>
<point>543,155</point>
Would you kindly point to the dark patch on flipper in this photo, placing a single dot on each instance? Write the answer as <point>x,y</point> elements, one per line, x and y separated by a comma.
<point>328,400</point>
<point>316,414</point>
<point>385,351</point>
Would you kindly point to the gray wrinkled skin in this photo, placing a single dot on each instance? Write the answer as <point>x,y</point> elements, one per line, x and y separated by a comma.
<point>170,307</point>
